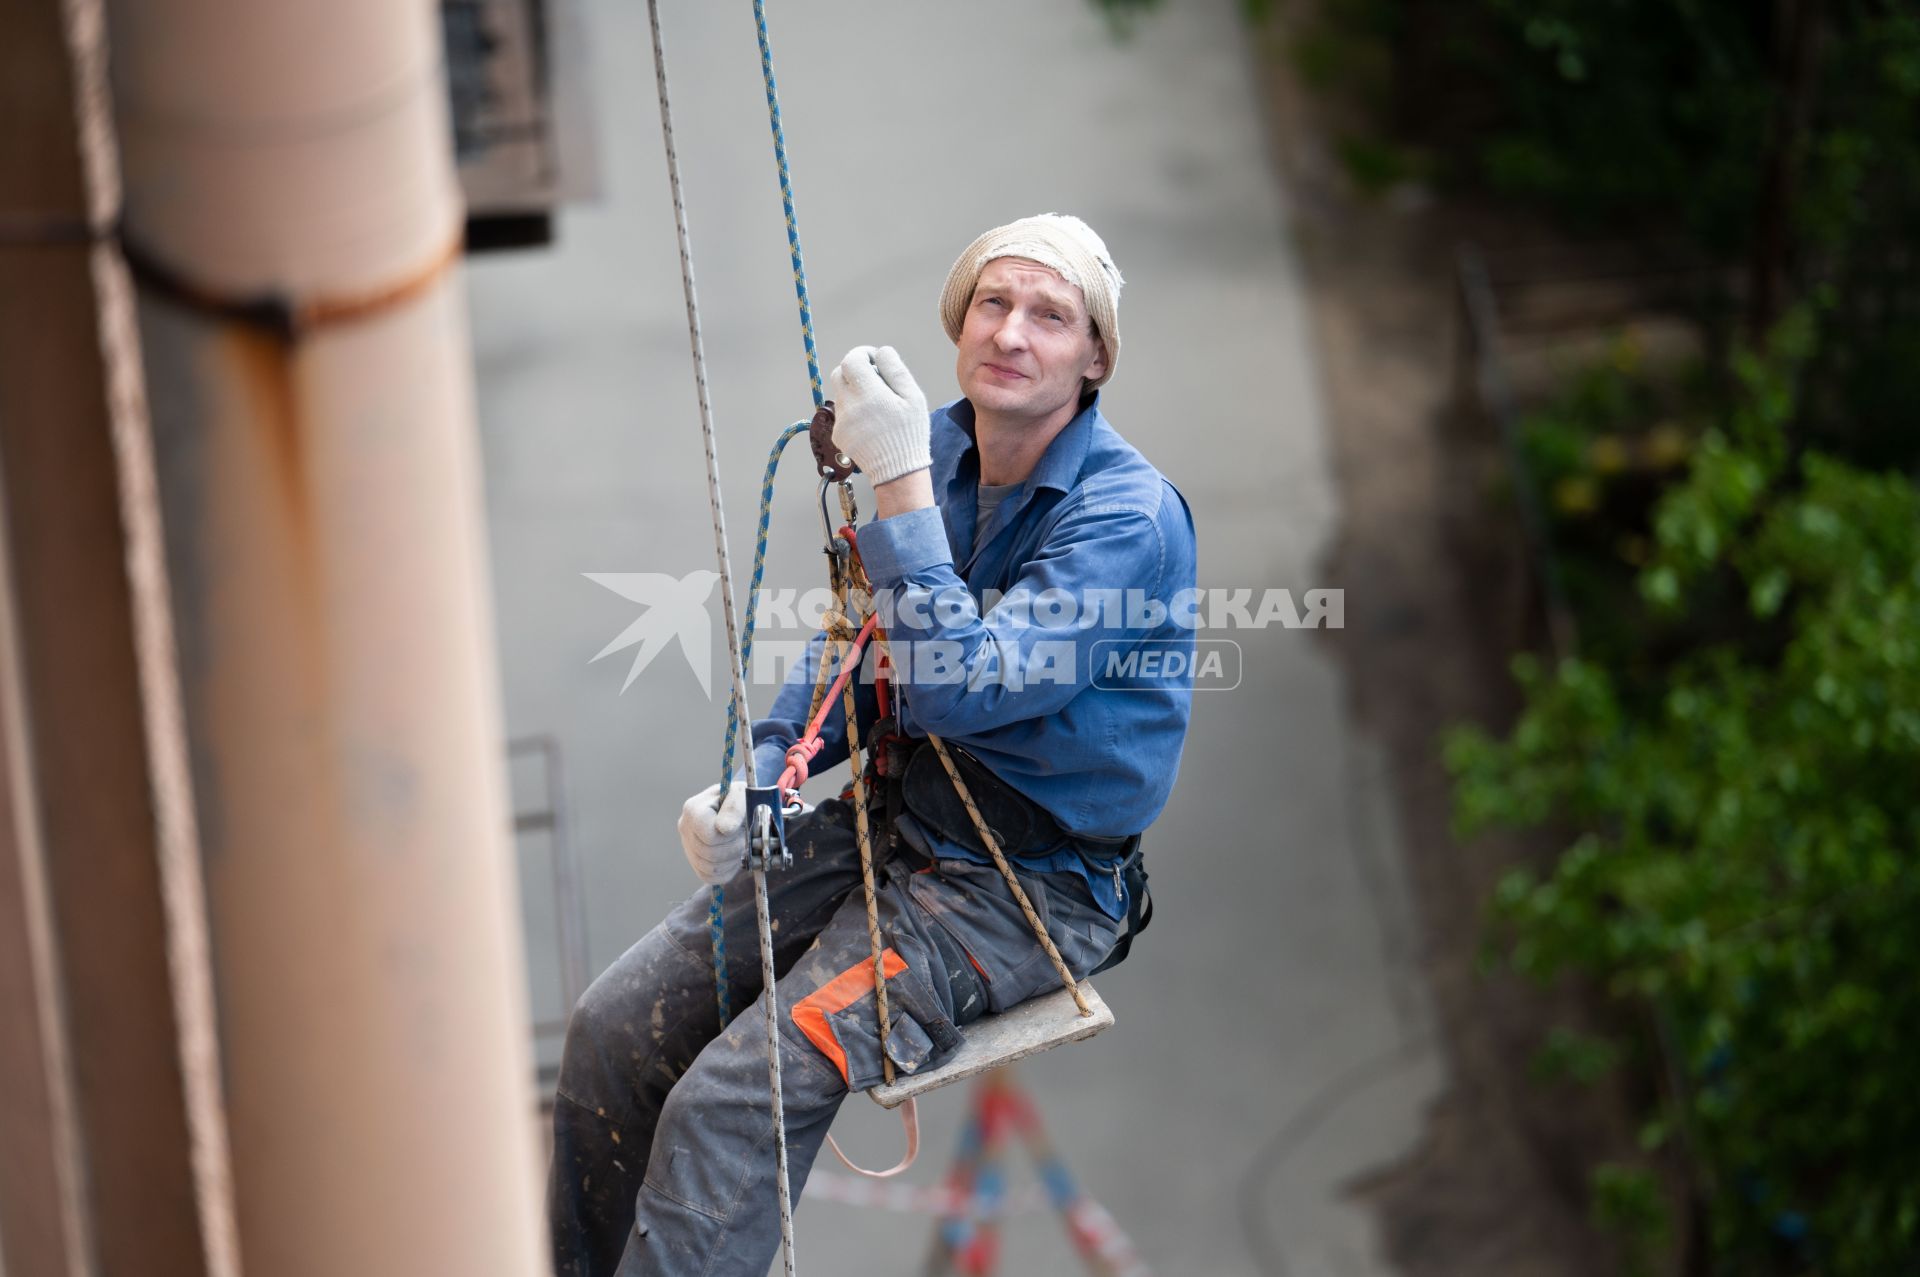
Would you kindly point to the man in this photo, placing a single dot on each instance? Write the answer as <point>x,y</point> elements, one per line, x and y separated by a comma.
<point>1018,499</point>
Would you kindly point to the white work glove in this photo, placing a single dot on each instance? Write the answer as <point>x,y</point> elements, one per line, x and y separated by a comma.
<point>715,841</point>
<point>880,416</point>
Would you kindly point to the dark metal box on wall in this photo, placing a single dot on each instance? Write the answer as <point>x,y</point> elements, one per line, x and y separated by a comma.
<point>522,136</point>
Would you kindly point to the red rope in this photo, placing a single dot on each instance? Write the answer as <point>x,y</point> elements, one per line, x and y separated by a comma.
<point>802,752</point>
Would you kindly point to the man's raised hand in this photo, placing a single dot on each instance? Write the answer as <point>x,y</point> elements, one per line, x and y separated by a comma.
<point>880,416</point>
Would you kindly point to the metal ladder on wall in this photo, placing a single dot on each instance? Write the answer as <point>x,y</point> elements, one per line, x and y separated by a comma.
<point>539,828</point>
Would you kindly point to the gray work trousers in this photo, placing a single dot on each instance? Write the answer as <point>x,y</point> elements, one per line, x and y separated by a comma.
<point>663,1159</point>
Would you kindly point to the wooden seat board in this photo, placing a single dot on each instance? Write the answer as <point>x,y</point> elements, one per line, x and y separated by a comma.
<point>1036,1025</point>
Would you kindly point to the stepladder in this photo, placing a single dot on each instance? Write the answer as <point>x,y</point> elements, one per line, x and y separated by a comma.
<point>1001,1118</point>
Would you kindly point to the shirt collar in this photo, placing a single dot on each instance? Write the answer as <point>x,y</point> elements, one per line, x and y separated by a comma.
<point>1060,465</point>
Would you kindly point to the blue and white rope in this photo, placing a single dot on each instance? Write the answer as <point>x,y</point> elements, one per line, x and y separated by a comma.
<point>786,198</point>
<point>753,587</point>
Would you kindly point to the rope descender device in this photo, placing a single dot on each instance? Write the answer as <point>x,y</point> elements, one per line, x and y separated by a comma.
<point>767,828</point>
<point>834,465</point>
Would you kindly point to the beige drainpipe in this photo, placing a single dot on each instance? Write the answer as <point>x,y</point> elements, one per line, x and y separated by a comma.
<point>293,220</point>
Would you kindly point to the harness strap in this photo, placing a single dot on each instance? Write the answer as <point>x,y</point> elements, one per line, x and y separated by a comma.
<point>1133,873</point>
<point>910,1119</point>
<point>1013,882</point>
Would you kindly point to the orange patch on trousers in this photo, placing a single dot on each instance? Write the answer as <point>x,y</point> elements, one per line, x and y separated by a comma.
<point>811,1012</point>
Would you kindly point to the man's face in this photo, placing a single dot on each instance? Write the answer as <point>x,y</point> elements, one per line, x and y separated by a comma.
<point>1027,345</point>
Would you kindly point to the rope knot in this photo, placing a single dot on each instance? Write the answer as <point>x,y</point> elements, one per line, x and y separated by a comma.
<point>799,754</point>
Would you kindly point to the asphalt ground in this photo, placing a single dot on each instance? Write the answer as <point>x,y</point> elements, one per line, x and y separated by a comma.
<point>1271,1043</point>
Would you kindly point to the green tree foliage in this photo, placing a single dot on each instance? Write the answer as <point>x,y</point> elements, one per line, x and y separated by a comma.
<point>1624,113</point>
<point>1598,456</point>
<point>1735,757</point>
<point>1745,862</point>
<point>1782,139</point>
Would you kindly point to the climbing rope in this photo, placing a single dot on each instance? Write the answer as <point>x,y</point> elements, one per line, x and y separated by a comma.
<point>786,199</point>
<point>860,819</point>
<point>716,898</point>
<point>753,591</point>
<point>739,714</point>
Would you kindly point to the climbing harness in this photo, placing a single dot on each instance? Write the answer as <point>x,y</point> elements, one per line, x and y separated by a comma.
<point>847,643</point>
<point>851,628</point>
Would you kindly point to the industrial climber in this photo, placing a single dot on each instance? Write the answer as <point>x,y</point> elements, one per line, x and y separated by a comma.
<point>1019,539</point>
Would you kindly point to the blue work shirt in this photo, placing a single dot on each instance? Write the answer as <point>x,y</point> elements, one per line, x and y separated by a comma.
<point>1013,640</point>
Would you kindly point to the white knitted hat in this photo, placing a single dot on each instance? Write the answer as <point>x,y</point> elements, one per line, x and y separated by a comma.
<point>1060,242</point>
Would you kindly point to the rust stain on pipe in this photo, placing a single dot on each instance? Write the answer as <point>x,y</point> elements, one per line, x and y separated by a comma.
<point>266,364</point>
<point>288,319</point>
